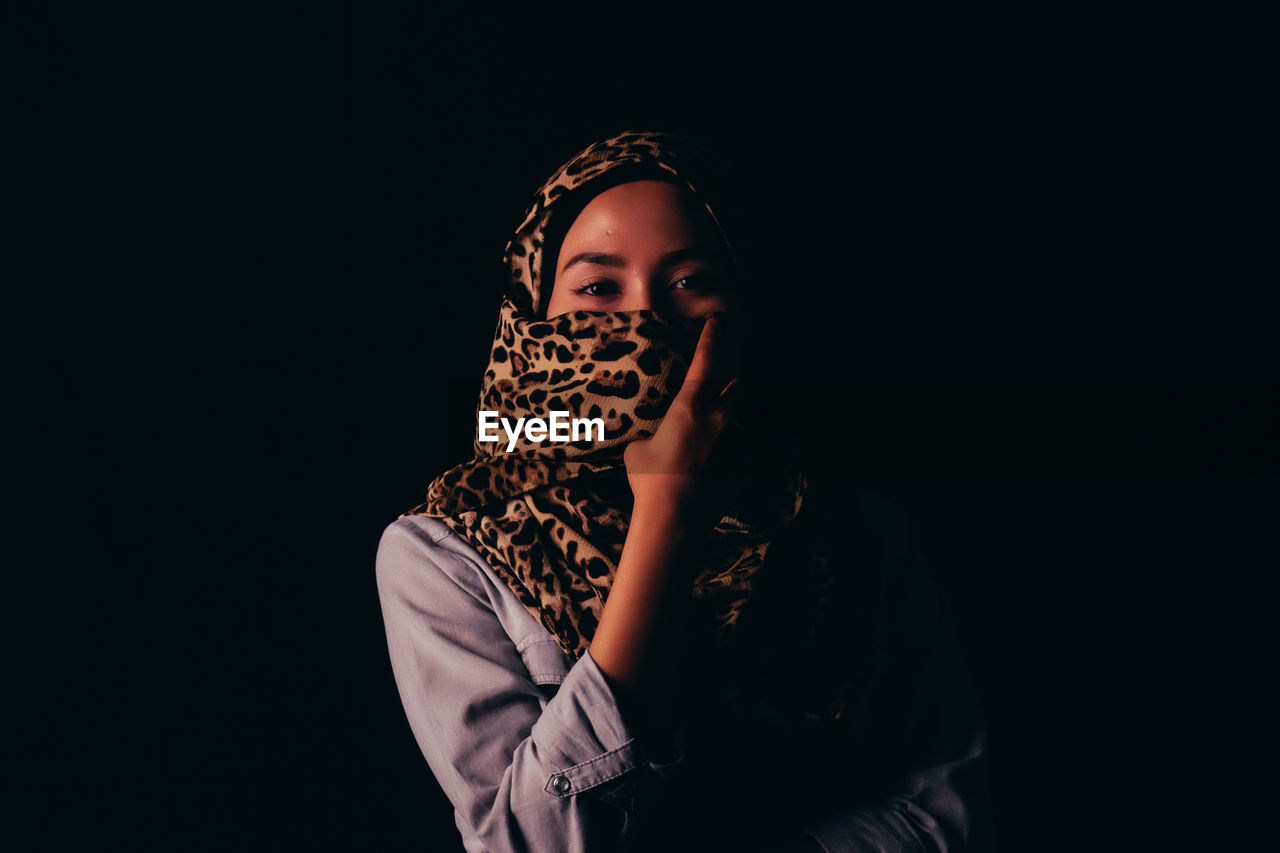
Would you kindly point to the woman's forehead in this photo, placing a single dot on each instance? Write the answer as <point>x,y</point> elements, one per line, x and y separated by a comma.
<point>641,212</point>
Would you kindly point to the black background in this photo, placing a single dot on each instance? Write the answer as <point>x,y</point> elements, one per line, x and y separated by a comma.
<point>257,268</point>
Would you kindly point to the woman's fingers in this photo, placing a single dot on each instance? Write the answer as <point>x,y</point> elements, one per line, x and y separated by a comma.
<point>703,407</point>
<point>712,364</point>
<point>703,357</point>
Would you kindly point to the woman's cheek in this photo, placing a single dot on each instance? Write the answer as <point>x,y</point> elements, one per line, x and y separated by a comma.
<point>699,305</point>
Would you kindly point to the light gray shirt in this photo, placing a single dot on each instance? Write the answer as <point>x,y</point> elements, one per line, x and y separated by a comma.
<point>532,749</point>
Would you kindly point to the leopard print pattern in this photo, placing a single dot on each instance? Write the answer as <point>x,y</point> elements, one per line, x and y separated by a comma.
<point>565,506</point>
<point>621,367</point>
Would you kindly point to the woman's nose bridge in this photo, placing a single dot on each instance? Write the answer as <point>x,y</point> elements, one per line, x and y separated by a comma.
<point>645,291</point>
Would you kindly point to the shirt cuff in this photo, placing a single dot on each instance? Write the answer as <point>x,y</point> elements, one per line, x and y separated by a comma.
<point>588,742</point>
<point>661,747</point>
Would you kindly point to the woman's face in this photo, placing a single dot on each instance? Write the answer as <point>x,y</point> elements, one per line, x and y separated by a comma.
<point>644,244</point>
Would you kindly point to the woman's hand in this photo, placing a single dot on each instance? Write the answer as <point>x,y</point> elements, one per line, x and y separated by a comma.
<point>667,468</point>
<point>637,644</point>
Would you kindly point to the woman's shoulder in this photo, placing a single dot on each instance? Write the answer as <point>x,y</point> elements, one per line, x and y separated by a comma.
<point>417,527</point>
<point>422,562</point>
<point>423,552</point>
<point>413,534</point>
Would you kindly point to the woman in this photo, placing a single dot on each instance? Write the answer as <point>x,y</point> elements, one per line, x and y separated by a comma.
<point>662,634</point>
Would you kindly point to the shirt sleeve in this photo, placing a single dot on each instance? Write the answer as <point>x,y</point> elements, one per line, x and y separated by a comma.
<point>930,716</point>
<point>523,772</point>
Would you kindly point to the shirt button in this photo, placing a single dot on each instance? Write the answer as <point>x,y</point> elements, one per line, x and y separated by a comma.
<point>561,784</point>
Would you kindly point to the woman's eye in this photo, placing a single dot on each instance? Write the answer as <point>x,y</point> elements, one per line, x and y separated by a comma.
<point>695,281</point>
<point>598,288</point>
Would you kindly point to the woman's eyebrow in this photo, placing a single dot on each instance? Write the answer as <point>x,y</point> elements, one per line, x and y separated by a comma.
<point>596,258</point>
<point>608,260</point>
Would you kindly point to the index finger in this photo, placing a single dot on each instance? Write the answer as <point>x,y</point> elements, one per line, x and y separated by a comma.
<point>709,364</point>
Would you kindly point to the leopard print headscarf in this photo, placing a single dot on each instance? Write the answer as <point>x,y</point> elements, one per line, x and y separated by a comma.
<point>550,517</point>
